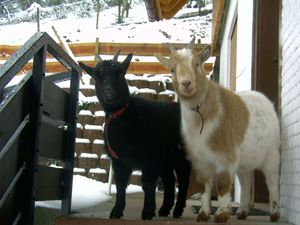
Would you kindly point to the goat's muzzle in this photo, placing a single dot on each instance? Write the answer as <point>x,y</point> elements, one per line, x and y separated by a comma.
<point>109,95</point>
<point>187,88</point>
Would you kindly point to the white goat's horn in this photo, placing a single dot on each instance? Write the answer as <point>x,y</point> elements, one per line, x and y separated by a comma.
<point>98,59</point>
<point>115,59</point>
<point>191,44</point>
<point>170,47</point>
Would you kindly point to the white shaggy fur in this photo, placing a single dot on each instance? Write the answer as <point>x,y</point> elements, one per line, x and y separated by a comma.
<point>258,149</point>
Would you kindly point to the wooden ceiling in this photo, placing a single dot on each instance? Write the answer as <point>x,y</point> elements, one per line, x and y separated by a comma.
<point>163,9</point>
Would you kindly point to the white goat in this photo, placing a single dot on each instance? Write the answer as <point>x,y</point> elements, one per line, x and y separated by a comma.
<point>226,133</point>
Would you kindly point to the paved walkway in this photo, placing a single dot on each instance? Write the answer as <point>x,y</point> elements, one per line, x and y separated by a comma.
<point>134,204</point>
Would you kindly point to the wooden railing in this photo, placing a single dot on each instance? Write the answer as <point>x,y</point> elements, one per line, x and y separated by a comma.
<point>143,61</point>
<point>38,123</point>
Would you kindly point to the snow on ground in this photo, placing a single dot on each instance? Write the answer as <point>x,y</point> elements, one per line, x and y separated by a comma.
<point>136,28</point>
<point>87,193</point>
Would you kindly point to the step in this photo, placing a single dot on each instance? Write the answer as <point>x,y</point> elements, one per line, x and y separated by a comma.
<point>102,221</point>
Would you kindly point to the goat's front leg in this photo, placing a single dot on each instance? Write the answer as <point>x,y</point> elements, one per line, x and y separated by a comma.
<point>224,185</point>
<point>149,181</point>
<point>205,176</point>
<point>121,175</point>
<point>204,211</point>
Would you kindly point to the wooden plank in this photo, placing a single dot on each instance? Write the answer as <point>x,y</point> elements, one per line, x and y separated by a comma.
<point>70,142</point>
<point>13,112</point>
<point>106,48</point>
<point>170,8</point>
<point>135,67</point>
<point>52,143</point>
<point>10,210</point>
<point>55,101</point>
<point>218,14</point>
<point>9,167</point>
<point>52,190</point>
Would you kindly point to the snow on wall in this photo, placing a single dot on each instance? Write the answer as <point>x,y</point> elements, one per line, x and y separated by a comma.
<point>290,106</point>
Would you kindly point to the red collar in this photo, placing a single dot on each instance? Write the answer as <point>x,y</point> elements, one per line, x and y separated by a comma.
<point>110,118</point>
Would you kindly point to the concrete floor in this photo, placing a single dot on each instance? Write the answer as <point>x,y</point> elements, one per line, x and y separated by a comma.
<point>134,204</point>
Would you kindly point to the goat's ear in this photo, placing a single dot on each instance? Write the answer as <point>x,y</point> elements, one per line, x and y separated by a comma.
<point>126,61</point>
<point>205,53</point>
<point>86,68</point>
<point>165,61</point>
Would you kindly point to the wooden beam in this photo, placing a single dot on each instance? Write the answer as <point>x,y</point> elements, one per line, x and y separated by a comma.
<point>106,48</point>
<point>135,67</point>
<point>218,12</point>
<point>171,7</point>
<point>166,9</point>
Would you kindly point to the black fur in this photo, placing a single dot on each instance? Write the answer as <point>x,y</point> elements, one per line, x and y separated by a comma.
<point>146,137</point>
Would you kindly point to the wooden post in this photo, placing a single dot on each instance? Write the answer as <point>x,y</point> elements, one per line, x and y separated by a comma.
<point>97,37</point>
<point>66,47</point>
<point>38,18</point>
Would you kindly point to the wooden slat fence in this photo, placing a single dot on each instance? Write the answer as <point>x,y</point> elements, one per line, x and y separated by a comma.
<point>143,62</point>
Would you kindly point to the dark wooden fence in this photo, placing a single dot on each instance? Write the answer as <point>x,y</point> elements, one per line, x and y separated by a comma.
<point>37,125</point>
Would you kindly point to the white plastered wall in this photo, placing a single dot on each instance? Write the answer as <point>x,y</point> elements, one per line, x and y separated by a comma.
<point>242,12</point>
<point>290,112</point>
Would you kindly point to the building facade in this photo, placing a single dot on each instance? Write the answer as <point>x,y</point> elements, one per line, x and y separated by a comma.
<point>258,45</point>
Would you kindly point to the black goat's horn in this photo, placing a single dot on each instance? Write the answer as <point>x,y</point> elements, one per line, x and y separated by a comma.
<point>98,58</point>
<point>191,44</point>
<point>115,59</point>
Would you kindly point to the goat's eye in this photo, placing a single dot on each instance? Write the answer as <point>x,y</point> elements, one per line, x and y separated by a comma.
<point>172,70</point>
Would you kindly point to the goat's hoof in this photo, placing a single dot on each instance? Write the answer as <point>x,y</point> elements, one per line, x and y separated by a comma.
<point>242,215</point>
<point>275,216</point>
<point>177,212</point>
<point>147,215</point>
<point>202,217</point>
<point>222,217</point>
<point>163,212</point>
<point>116,213</point>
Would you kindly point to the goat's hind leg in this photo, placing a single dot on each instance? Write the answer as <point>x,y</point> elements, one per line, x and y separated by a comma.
<point>245,182</point>
<point>183,171</point>
<point>168,179</point>
<point>271,171</point>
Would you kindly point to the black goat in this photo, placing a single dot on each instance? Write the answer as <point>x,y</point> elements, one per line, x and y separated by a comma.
<point>141,134</point>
